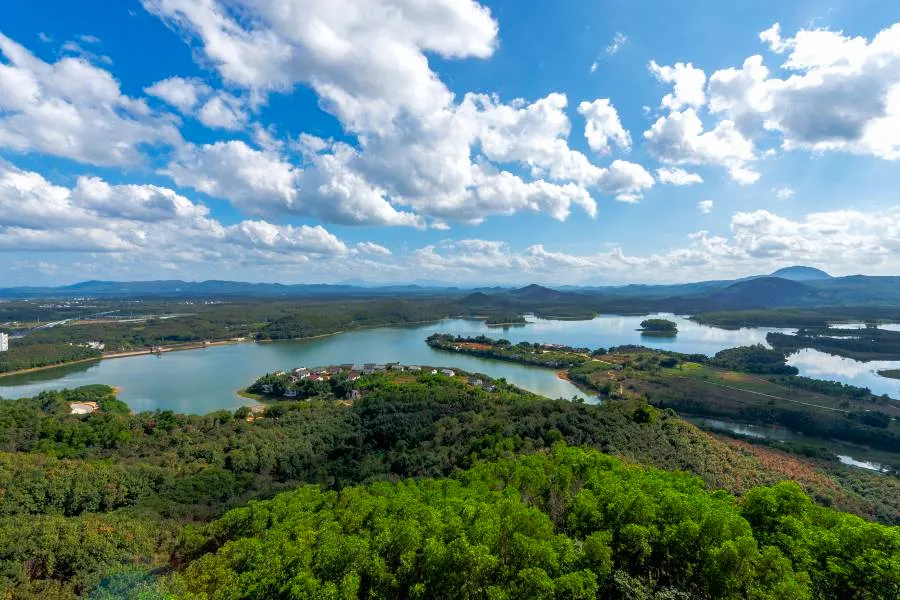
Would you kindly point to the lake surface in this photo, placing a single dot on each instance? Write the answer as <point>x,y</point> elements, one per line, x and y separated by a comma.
<point>747,429</point>
<point>820,365</point>
<point>781,434</point>
<point>199,381</point>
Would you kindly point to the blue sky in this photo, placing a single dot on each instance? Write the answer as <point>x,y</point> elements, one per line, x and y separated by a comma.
<point>471,142</point>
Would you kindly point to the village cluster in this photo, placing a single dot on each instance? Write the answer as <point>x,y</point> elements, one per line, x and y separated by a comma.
<point>354,372</point>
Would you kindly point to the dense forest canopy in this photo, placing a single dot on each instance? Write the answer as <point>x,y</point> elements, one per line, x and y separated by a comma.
<point>755,359</point>
<point>568,524</point>
<point>104,498</point>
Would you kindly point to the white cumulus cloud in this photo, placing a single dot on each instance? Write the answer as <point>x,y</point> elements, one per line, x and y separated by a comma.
<point>193,97</point>
<point>418,151</point>
<point>603,127</point>
<point>373,248</point>
<point>137,221</point>
<point>677,176</point>
<point>366,59</point>
<point>688,81</point>
<point>75,110</point>
<point>182,93</point>
<point>679,139</point>
<point>838,93</point>
<point>759,242</point>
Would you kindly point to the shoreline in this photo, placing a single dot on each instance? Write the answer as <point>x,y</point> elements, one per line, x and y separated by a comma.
<point>564,375</point>
<point>202,345</point>
<point>300,339</point>
<point>47,367</point>
<point>561,374</point>
<point>126,354</point>
<point>259,399</point>
<point>367,327</point>
<point>243,393</point>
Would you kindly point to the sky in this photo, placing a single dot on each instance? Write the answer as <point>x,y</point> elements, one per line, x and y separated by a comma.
<point>578,142</point>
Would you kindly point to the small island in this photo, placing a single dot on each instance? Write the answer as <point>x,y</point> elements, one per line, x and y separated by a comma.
<point>890,373</point>
<point>659,327</point>
<point>502,320</point>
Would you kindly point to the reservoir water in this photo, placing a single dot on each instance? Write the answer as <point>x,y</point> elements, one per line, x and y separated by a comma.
<point>841,451</point>
<point>199,381</point>
<point>821,365</point>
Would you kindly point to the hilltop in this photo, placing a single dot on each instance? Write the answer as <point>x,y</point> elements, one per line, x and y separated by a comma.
<point>764,292</point>
<point>539,293</point>
<point>801,273</point>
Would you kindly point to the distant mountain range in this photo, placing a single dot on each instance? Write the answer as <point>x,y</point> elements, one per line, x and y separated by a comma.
<point>209,289</point>
<point>792,287</point>
<point>796,286</point>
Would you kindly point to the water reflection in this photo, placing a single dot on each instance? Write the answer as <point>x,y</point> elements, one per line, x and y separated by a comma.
<point>762,432</point>
<point>746,429</point>
<point>862,464</point>
<point>48,374</point>
<point>617,330</point>
<point>885,326</point>
<point>820,365</point>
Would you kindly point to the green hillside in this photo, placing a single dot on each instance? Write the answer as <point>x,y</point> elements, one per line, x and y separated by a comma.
<point>107,505</point>
<point>567,524</point>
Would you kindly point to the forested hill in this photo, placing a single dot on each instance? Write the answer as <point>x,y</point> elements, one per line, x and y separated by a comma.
<point>565,524</point>
<point>765,292</point>
<point>100,505</point>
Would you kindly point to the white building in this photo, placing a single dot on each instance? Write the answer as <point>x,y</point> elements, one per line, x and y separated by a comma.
<point>4,342</point>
